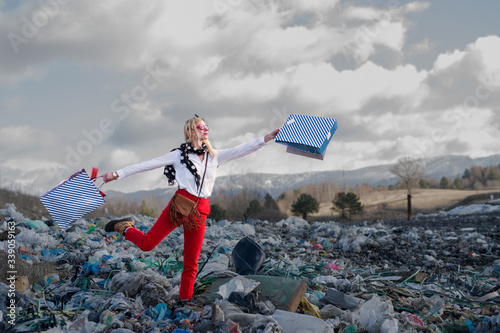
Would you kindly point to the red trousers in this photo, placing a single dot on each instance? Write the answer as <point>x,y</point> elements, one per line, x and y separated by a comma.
<point>193,240</point>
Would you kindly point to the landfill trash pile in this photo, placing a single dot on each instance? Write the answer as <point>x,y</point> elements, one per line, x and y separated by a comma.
<point>434,273</point>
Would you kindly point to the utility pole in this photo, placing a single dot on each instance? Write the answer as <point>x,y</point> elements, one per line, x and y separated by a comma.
<point>343,180</point>
<point>409,204</point>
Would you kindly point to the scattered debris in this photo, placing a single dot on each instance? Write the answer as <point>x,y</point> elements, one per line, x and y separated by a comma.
<point>434,273</point>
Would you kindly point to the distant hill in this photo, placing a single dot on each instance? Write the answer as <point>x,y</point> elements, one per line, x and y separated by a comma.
<point>435,168</point>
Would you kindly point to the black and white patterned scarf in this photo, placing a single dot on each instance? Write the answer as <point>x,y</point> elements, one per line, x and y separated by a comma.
<point>185,149</point>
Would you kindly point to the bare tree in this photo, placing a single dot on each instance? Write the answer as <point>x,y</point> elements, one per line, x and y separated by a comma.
<point>410,171</point>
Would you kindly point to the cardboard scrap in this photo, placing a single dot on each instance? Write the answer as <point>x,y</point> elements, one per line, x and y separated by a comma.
<point>284,293</point>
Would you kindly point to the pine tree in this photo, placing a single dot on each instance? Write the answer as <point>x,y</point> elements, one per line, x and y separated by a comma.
<point>217,213</point>
<point>459,185</point>
<point>305,205</point>
<point>270,203</point>
<point>348,204</point>
<point>253,208</point>
<point>444,183</point>
<point>145,210</point>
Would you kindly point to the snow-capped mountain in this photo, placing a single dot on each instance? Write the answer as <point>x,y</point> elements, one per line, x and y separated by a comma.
<point>435,168</point>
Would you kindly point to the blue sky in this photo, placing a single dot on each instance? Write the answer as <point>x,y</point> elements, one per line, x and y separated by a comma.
<point>109,83</point>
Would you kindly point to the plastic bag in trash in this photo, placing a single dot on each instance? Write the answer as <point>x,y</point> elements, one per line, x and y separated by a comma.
<point>237,284</point>
<point>376,316</point>
<point>149,285</point>
<point>296,322</point>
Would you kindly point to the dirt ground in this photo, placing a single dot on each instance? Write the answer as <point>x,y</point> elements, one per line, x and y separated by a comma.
<point>393,204</point>
<point>437,234</point>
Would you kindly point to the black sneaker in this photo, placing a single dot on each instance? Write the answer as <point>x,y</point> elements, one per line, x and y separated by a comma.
<point>118,225</point>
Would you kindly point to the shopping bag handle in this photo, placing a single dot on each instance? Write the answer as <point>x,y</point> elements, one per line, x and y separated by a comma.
<point>103,182</point>
<point>94,176</point>
<point>100,186</point>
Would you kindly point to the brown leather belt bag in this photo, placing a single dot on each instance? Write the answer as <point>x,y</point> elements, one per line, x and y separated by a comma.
<point>184,211</point>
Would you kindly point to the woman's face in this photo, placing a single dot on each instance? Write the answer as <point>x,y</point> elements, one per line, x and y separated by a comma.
<point>201,130</point>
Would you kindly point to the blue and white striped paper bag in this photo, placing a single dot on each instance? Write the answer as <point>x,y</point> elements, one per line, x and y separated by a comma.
<point>307,135</point>
<point>72,199</point>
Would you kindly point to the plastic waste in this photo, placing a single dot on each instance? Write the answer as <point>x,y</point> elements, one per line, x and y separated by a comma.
<point>82,324</point>
<point>159,312</point>
<point>341,299</point>
<point>296,322</point>
<point>218,263</point>
<point>29,237</point>
<point>237,284</point>
<point>376,316</point>
<point>309,308</point>
<point>496,268</point>
<point>245,301</point>
<point>292,223</point>
<point>330,311</point>
<point>248,256</point>
<point>249,322</point>
<point>457,258</point>
<point>242,229</point>
<point>149,285</point>
<point>13,213</point>
<point>36,224</point>
<point>349,329</point>
<point>235,314</point>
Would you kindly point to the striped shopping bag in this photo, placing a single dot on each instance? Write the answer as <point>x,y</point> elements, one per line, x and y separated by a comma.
<point>307,135</point>
<point>73,198</point>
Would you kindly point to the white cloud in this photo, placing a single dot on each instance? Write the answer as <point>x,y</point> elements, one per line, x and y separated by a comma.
<point>468,78</point>
<point>207,66</point>
<point>246,89</point>
<point>24,137</point>
<point>363,13</point>
<point>392,35</point>
<point>28,164</point>
<point>147,111</point>
<point>124,157</point>
<point>236,65</point>
<point>288,45</point>
<point>350,90</point>
<point>415,6</point>
<point>385,33</point>
<point>487,52</point>
<point>361,153</point>
<point>34,175</point>
<point>391,12</point>
<point>232,125</point>
<point>474,127</point>
<point>446,60</point>
<point>422,47</point>
<point>489,49</point>
<point>315,5</point>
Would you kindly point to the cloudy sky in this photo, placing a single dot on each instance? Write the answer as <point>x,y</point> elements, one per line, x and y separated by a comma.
<point>109,83</point>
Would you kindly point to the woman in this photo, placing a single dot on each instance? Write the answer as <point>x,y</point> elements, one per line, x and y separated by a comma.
<point>194,167</point>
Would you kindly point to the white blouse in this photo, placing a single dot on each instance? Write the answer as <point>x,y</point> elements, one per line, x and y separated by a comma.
<point>183,176</point>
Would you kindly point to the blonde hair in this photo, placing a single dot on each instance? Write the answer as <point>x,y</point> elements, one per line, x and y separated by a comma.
<point>190,129</point>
